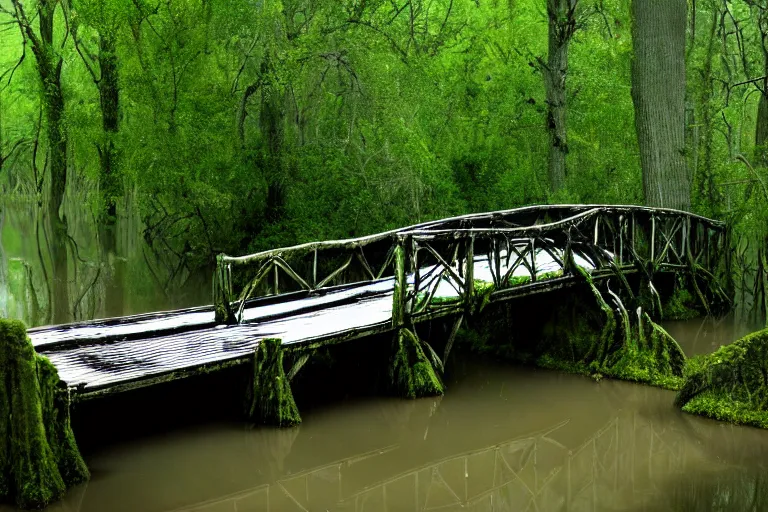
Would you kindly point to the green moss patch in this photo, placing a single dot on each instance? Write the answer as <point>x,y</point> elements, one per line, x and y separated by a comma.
<point>730,384</point>
<point>519,280</point>
<point>682,304</point>
<point>412,374</point>
<point>39,459</point>
<point>270,401</point>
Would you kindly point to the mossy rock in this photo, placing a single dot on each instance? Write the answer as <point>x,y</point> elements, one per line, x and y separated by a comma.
<point>730,384</point>
<point>412,374</point>
<point>270,400</point>
<point>39,458</point>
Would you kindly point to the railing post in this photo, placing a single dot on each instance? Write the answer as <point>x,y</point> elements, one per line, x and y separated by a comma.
<point>400,295</point>
<point>469,273</point>
<point>314,270</point>
<point>222,292</point>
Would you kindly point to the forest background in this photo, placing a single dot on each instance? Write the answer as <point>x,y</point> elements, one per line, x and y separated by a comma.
<point>140,138</point>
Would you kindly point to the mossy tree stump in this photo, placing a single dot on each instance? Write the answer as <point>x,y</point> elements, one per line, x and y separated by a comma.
<point>271,400</point>
<point>39,458</point>
<point>412,374</point>
<point>730,384</point>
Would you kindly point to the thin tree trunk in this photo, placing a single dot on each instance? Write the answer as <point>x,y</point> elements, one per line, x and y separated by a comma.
<point>271,123</point>
<point>704,174</point>
<point>562,25</point>
<point>49,68</point>
<point>109,96</point>
<point>658,94</point>
<point>761,127</point>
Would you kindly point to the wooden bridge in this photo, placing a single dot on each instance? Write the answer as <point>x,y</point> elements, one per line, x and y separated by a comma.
<point>329,292</point>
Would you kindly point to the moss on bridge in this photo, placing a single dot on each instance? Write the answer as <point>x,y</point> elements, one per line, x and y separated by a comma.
<point>730,384</point>
<point>39,458</point>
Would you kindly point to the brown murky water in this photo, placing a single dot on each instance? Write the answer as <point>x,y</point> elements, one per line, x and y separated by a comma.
<point>502,438</point>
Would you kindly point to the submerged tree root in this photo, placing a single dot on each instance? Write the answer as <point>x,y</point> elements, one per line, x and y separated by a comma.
<point>270,401</point>
<point>39,458</point>
<point>730,384</point>
<point>412,374</point>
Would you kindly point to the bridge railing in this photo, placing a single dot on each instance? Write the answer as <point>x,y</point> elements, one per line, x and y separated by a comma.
<point>433,264</point>
<point>450,270</point>
<point>306,269</point>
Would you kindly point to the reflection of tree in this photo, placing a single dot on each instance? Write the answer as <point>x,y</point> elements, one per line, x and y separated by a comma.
<point>621,462</point>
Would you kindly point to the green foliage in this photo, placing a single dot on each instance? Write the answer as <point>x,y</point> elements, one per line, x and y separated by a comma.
<point>245,126</point>
<point>39,458</point>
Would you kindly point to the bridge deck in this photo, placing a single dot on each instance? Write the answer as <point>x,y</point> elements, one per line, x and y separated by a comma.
<point>113,355</point>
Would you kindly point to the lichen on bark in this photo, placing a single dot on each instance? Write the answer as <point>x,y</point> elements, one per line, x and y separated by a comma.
<point>39,458</point>
<point>411,372</point>
<point>270,400</point>
<point>731,384</point>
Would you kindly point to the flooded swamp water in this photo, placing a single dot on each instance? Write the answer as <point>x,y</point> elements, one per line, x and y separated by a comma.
<point>504,437</point>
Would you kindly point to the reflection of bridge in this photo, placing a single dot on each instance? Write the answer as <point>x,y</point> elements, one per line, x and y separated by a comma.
<point>328,292</point>
<point>531,472</point>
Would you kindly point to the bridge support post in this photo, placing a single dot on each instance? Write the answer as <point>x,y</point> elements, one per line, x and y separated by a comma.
<point>222,293</point>
<point>412,374</point>
<point>39,458</point>
<point>270,399</point>
<point>400,297</point>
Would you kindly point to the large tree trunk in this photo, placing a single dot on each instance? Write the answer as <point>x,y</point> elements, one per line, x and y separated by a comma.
<point>109,96</point>
<point>562,25</point>
<point>272,125</point>
<point>658,93</point>
<point>49,68</point>
<point>761,128</point>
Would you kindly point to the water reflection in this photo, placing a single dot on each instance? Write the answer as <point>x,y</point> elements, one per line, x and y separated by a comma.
<point>503,438</point>
<point>706,335</point>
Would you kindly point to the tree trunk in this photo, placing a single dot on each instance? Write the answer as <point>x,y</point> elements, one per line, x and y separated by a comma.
<point>658,94</point>
<point>49,68</point>
<point>109,97</point>
<point>704,174</point>
<point>271,124</point>
<point>562,25</point>
<point>761,128</point>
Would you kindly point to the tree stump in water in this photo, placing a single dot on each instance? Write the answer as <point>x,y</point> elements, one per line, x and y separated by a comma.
<point>271,400</point>
<point>39,458</point>
<point>413,376</point>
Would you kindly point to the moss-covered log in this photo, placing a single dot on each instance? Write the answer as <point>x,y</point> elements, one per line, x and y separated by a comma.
<point>730,384</point>
<point>39,459</point>
<point>412,374</point>
<point>270,399</point>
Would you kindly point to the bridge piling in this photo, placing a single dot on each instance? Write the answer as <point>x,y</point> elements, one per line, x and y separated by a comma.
<point>270,397</point>
<point>412,374</point>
